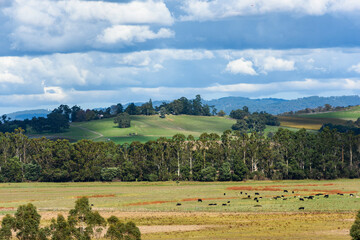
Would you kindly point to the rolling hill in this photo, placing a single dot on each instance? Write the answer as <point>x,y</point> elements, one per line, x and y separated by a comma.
<point>314,121</point>
<point>144,128</point>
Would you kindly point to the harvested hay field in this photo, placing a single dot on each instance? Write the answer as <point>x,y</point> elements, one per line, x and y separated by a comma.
<point>225,211</point>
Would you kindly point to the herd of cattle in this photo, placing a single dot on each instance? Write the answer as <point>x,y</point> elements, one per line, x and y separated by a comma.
<point>257,198</point>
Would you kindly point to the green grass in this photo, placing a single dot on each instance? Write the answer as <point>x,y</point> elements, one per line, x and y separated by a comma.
<point>352,113</point>
<point>145,128</point>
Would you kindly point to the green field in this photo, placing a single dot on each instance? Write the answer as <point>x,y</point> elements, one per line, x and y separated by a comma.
<point>352,113</point>
<point>314,121</point>
<point>153,207</point>
<point>145,128</point>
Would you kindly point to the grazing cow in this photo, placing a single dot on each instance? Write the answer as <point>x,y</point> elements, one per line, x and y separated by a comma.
<point>199,200</point>
<point>228,201</point>
<point>257,193</point>
<point>282,196</point>
<point>319,194</point>
<point>224,194</point>
<point>301,208</point>
<point>260,197</point>
<point>178,204</point>
<point>341,194</point>
<point>311,197</point>
<point>255,199</point>
<point>351,195</point>
<point>285,190</point>
<point>249,196</point>
<point>326,196</point>
<point>301,199</point>
<point>292,191</point>
<point>224,204</point>
<point>240,192</point>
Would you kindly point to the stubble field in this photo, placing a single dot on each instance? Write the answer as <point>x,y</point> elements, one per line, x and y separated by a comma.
<point>153,207</point>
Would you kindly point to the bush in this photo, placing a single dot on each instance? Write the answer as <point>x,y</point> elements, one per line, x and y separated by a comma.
<point>12,170</point>
<point>355,229</point>
<point>225,172</point>
<point>208,174</point>
<point>32,172</point>
<point>109,174</point>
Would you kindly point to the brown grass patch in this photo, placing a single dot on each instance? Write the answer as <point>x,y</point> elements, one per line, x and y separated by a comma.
<point>7,208</point>
<point>97,196</point>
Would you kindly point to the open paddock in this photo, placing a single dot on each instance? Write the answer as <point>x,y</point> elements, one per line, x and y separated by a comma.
<point>225,209</point>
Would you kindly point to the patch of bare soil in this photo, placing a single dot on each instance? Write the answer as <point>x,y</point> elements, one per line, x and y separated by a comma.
<point>172,228</point>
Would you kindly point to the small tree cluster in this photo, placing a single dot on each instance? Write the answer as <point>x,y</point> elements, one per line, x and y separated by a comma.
<point>123,120</point>
<point>81,224</point>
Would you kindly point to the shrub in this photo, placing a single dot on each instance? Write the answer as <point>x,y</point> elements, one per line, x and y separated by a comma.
<point>355,229</point>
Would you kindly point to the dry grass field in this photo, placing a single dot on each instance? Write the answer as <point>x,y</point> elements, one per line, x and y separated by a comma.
<point>152,206</point>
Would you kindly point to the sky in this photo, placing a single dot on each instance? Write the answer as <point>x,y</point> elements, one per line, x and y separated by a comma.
<point>99,53</point>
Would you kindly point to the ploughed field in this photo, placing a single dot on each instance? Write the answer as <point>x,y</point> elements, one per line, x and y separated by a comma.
<point>170,210</point>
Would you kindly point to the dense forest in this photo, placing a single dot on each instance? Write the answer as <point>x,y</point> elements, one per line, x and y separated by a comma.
<point>231,156</point>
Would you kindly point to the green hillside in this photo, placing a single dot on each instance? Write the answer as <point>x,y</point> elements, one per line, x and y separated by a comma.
<point>352,113</point>
<point>144,128</point>
<point>314,121</point>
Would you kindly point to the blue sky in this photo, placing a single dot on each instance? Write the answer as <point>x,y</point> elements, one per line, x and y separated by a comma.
<point>97,53</point>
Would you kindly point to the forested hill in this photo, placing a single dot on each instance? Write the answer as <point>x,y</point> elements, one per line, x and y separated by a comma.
<point>227,104</point>
<point>277,106</point>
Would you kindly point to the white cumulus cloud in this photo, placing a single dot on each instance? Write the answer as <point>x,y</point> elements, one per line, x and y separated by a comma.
<point>6,77</point>
<point>46,25</point>
<point>241,66</point>
<point>355,68</point>
<point>278,64</point>
<point>128,34</point>
<point>217,9</point>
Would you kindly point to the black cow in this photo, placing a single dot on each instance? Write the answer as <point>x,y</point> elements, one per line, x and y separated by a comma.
<point>311,197</point>
<point>301,208</point>
<point>255,199</point>
<point>240,192</point>
<point>285,190</point>
<point>351,195</point>
<point>326,196</point>
<point>199,200</point>
<point>178,204</point>
<point>301,199</point>
<point>228,201</point>
<point>249,196</point>
<point>257,193</point>
<point>224,204</point>
<point>224,194</point>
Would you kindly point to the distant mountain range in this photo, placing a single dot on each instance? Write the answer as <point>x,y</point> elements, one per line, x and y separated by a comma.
<point>277,106</point>
<point>28,114</point>
<point>270,105</point>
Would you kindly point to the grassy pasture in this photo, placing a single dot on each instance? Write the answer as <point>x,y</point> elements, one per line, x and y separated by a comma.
<point>153,205</point>
<point>145,128</point>
<point>308,122</point>
<point>352,113</point>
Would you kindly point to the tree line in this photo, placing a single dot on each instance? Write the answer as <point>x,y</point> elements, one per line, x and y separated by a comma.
<point>82,223</point>
<point>232,156</point>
